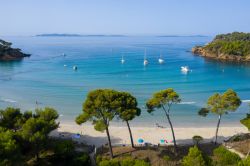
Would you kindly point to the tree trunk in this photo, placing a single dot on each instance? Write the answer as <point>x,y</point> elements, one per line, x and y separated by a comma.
<point>171,126</point>
<point>109,142</point>
<point>217,128</point>
<point>130,134</point>
<point>37,157</point>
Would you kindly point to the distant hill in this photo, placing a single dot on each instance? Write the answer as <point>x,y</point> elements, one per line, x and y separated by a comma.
<point>229,47</point>
<point>7,53</point>
<point>75,35</point>
<point>181,36</point>
<point>58,35</point>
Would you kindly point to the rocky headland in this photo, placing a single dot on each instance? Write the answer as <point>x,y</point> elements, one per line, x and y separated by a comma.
<point>7,53</point>
<point>226,47</point>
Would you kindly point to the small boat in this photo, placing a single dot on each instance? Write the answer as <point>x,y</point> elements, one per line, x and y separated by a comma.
<point>65,65</point>
<point>64,54</point>
<point>145,61</point>
<point>74,67</point>
<point>185,69</point>
<point>161,60</point>
<point>122,60</point>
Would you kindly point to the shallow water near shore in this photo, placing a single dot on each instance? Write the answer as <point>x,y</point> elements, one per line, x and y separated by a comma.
<point>47,77</point>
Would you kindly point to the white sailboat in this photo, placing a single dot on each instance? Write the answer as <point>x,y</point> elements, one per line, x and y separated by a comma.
<point>122,60</point>
<point>161,60</point>
<point>145,61</point>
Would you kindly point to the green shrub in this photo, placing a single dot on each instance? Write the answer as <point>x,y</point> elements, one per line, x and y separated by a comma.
<point>141,163</point>
<point>246,121</point>
<point>245,162</point>
<point>121,162</point>
<point>197,139</point>
<point>113,162</point>
<point>9,148</point>
<point>195,158</point>
<point>64,148</point>
<point>166,158</point>
<point>127,162</point>
<point>223,157</point>
<point>82,159</point>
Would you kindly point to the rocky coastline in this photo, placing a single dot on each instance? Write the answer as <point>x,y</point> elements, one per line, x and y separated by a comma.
<point>201,51</point>
<point>7,53</point>
<point>226,47</point>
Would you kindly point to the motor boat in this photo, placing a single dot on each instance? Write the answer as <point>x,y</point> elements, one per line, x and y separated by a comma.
<point>145,62</point>
<point>185,69</point>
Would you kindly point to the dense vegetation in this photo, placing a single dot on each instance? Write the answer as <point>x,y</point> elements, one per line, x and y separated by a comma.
<point>229,46</point>
<point>8,53</point>
<point>24,139</point>
<point>246,120</point>
<point>235,43</point>
<point>237,48</point>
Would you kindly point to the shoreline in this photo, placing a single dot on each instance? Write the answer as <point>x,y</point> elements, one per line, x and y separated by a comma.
<point>153,135</point>
<point>202,52</point>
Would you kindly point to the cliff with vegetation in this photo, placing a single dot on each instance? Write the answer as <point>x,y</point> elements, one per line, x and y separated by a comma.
<point>228,47</point>
<point>7,53</point>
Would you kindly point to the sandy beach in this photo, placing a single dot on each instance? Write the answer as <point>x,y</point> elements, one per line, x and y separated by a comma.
<point>120,135</point>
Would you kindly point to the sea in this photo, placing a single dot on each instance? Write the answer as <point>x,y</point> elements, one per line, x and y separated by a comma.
<point>47,78</point>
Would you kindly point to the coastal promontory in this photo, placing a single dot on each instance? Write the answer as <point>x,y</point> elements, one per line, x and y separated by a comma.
<point>7,53</point>
<point>227,47</point>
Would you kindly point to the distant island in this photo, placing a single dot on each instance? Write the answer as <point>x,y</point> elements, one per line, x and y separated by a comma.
<point>75,35</point>
<point>227,47</point>
<point>7,53</point>
<point>181,36</point>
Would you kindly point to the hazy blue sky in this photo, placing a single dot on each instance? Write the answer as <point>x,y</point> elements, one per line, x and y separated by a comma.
<point>183,17</point>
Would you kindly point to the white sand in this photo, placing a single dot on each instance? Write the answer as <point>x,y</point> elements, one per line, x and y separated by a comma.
<point>120,135</point>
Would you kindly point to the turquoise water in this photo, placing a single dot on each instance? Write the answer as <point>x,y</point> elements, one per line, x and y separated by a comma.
<point>43,77</point>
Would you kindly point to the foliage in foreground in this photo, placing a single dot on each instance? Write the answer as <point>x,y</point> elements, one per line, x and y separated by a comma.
<point>163,100</point>
<point>197,139</point>
<point>221,104</point>
<point>246,121</point>
<point>25,137</point>
<point>195,157</point>
<point>245,162</point>
<point>65,154</point>
<point>121,162</point>
<point>222,156</point>
<point>102,105</point>
<point>9,149</point>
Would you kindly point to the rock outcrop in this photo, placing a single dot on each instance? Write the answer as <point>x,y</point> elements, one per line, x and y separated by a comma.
<point>9,54</point>
<point>228,47</point>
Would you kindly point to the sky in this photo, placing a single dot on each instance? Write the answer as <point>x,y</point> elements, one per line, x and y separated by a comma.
<point>125,17</point>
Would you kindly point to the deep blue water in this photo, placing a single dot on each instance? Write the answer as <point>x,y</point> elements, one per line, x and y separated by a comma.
<point>43,77</point>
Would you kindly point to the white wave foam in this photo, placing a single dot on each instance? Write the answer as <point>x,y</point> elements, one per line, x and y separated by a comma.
<point>8,100</point>
<point>245,101</point>
<point>187,102</point>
